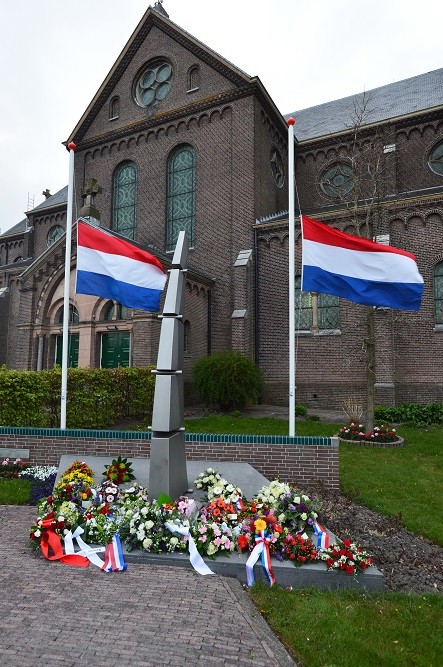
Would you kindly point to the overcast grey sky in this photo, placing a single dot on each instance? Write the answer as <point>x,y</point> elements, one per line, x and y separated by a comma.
<point>56,53</point>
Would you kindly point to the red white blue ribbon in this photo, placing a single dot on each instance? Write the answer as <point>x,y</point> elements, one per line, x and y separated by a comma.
<point>261,550</point>
<point>114,558</point>
<point>322,536</point>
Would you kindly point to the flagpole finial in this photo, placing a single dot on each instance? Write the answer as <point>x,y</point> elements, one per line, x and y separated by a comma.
<point>291,121</point>
<point>72,146</point>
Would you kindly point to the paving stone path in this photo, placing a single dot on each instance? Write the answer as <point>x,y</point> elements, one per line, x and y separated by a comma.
<point>148,616</point>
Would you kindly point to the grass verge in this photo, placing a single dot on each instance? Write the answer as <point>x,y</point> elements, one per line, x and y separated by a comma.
<point>14,491</point>
<point>348,628</point>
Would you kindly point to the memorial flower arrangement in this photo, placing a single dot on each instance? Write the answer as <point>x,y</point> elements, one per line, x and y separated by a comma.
<point>271,494</point>
<point>347,557</point>
<point>216,486</point>
<point>280,518</point>
<point>299,549</point>
<point>255,519</point>
<point>119,471</point>
<point>297,511</point>
<point>213,538</point>
<point>142,524</point>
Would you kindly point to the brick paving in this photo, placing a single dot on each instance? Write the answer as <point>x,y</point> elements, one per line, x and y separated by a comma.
<point>148,616</point>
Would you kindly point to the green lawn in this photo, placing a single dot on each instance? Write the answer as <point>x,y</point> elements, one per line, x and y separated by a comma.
<point>14,491</point>
<point>351,629</point>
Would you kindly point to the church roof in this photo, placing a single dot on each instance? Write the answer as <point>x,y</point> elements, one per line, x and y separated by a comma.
<point>19,228</point>
<point>410,96</point>
<point>60,197</point>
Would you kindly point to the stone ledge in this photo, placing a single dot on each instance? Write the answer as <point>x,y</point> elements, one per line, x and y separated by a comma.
<point>314,575</point>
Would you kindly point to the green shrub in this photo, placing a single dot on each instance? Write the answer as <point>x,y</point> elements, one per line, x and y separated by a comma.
<point>301,410</point>
<point>227,380</point>
<point>413,414</point>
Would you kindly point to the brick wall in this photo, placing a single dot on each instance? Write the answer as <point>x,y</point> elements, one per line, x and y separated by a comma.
<point>299,460</point>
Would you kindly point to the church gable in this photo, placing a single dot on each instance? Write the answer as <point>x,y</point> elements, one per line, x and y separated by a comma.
<point>161,71</point>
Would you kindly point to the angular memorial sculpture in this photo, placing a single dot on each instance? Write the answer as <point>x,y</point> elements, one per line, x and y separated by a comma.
<point>167,468</point>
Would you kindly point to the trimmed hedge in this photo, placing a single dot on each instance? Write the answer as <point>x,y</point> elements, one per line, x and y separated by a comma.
<point>97,398</point>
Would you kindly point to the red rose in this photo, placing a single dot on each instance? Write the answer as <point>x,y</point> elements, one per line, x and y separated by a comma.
<point>349,569</point>
<point>347,543</point>
<point>242,542</point>
<point>329,562</point>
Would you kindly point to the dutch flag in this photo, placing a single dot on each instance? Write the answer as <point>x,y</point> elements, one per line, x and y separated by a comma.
<point>358,269</point>
<point>113,268</point>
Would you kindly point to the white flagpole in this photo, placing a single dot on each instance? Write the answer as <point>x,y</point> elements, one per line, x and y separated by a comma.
<point>65,336</point>
<point>291,222</point>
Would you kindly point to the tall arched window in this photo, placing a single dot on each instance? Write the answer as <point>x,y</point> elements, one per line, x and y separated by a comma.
<point>181,195</point>
<point>438,293</point>
<point>124,199</point>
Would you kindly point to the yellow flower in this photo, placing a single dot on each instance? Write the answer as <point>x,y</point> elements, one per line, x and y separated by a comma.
<point>259,525</point>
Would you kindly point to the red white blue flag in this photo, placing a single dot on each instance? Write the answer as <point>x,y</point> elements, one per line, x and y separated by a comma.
<point>358,269</point>
<point>113,268</point>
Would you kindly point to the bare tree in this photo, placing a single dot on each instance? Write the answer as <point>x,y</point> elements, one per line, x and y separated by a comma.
<point>363,201</point>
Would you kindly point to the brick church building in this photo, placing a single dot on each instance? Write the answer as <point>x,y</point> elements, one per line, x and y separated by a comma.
<point>179,138</point>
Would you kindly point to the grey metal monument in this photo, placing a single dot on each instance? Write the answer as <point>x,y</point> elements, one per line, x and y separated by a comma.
<point>167,467</point>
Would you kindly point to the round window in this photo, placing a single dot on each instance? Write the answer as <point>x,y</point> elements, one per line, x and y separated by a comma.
<point>154,84</point>
<point>277,168</point>
<point>436,160</point>
<point>337,180</point>
<point>54,234</point>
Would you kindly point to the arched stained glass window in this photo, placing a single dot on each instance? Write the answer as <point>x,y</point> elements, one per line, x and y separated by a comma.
<point>124,199</point>
<point>438,293</point>
<point>181,196</point>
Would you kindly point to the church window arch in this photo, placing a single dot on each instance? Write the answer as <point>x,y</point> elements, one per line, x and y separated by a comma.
<point>181,195</point>
<point>438,293</point>
<point>124,193</point>
<point>114,108</point>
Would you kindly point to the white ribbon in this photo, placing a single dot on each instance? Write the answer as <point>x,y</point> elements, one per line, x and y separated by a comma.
<point>253,558</point>
<point>85,549</point>
<point>195,559</point>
